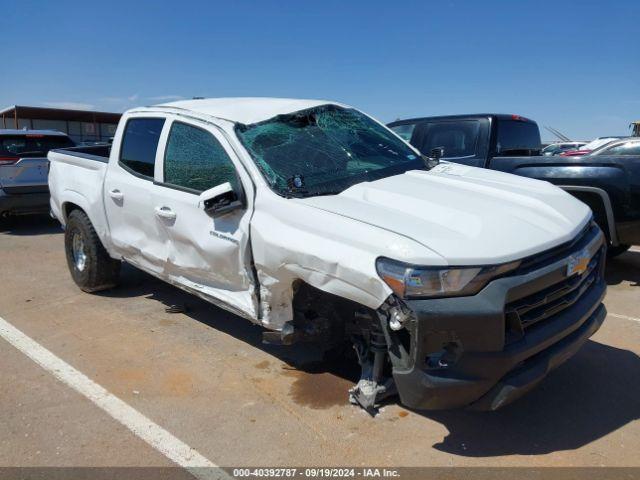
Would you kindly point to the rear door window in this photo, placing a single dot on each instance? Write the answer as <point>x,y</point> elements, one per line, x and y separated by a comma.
<point>457,139</point>
<point>139,145</point>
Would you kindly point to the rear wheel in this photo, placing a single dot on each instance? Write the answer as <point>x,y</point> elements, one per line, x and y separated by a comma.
<point>90,265</point>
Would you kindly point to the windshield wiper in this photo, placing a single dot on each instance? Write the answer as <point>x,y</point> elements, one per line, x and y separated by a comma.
<point>298,194</point>
<point>306,194</point>
<point>318,193</point>
<point>327,192</point>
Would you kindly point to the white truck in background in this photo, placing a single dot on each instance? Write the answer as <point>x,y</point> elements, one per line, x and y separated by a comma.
<point>455,285</point>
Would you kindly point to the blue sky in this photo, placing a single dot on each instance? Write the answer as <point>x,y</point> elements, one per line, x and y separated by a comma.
<point>571,65</point>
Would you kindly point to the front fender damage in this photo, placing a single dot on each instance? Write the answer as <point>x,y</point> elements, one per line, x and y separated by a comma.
<point>277,287</point>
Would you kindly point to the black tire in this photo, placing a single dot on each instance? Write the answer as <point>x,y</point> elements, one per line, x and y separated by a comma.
<point>90,265</point>
<point>617,250</point>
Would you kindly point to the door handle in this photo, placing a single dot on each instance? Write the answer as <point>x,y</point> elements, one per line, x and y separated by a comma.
<point>165,212</point>
<point>116,194</point>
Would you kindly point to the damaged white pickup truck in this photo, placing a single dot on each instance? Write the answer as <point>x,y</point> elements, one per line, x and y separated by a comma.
<point>455,285</point>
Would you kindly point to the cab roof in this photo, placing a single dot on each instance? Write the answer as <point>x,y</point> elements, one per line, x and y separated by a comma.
<point>470,116</point>
<point>246,110</point>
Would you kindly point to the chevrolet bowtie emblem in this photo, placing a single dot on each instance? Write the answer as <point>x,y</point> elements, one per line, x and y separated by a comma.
<point>578,262</point>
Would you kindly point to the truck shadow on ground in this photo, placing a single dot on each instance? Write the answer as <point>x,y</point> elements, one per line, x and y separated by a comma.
<point>625,268</point>
<point>136,283</point>
<point>30,225</point>
<point>593,394</point>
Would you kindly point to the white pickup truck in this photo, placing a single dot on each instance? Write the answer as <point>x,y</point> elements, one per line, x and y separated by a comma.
<point>455,285</point>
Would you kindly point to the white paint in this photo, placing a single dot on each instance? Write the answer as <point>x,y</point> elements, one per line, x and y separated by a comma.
<point>624,317</point>
<point>634,249</point>
<point>479,217</point>
<point>156,436</point>
<point>245,110</point>
<point>451,215</point>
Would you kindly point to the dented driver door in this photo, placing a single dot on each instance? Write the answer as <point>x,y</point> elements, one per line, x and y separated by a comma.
<point>209,253</point>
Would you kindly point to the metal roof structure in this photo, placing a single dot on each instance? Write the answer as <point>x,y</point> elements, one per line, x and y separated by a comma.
<point>9,116</point>
<point>13,131</point>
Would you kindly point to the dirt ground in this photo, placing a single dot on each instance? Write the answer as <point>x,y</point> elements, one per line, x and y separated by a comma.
<point>206,378</point>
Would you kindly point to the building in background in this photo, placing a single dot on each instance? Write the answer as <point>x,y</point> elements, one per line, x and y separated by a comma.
<point>80,125</point>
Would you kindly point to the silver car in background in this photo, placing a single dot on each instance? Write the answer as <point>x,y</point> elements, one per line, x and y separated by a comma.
<point>24,169</point>
<point>559,147</point>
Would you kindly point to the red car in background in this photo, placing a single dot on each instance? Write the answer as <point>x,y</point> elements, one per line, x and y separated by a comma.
<point>589,147</point>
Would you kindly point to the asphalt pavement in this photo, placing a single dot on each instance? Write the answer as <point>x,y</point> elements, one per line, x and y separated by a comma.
<point>204,378</point>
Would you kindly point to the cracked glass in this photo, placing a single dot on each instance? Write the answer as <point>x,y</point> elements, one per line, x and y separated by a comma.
<point>324,150</point>
<point>195,160</point>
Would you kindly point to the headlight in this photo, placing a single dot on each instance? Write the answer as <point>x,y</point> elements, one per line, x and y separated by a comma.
<point>410,281</point>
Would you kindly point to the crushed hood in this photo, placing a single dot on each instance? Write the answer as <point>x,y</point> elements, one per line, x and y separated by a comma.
<point>467,215</point>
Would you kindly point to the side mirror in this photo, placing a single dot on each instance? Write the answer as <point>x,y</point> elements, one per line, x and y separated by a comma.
<point>437,153</point>
<point>220,199</point>
<point>434,157</point>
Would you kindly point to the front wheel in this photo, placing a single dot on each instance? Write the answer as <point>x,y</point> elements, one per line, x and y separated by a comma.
<point>90,265</point>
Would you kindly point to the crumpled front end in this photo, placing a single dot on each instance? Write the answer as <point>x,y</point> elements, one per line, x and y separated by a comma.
<point>329,252</point>
<point>489,349</point>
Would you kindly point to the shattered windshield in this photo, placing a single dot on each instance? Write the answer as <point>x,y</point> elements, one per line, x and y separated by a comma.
<point>324,150</point>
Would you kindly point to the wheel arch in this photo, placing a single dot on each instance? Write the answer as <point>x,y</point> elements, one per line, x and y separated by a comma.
<point>598,198</point>
<point>69,207</point>
<point>72,200</point>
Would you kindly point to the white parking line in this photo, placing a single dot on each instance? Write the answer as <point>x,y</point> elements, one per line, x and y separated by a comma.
<point>156,436</point>
<point>635,249</point>
<point>624,317</point>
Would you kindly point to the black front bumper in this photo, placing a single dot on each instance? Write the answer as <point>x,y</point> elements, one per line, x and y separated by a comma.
<point>487,350</point>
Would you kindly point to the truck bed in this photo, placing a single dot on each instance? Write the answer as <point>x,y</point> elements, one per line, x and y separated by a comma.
<point>99,153</point>
<point>68,184</point>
